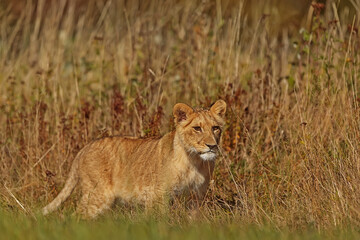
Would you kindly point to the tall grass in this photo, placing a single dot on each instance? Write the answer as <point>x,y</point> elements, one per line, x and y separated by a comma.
<point>74,71</point>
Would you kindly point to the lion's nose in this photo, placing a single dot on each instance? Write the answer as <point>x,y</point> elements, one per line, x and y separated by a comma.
<point>212,147</point>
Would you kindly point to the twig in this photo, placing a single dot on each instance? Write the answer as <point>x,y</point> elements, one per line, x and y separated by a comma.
<point>44,154</point>
<point>18,202</point>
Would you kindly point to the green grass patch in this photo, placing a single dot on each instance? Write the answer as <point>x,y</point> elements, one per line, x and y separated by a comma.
<point>18,226</point>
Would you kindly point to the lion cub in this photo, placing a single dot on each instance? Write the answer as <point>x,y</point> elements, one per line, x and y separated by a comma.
<point>146,171</point>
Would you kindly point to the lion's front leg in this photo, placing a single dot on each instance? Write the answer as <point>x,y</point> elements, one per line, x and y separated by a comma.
<point>194,203</point>
<point>158,206</point>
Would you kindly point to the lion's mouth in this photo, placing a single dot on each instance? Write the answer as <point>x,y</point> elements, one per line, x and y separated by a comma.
<point>208,156</point>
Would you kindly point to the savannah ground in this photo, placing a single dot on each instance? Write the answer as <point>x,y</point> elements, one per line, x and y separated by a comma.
<point>73,71</point>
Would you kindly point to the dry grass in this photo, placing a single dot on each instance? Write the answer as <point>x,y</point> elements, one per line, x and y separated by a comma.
<point>290,150</point>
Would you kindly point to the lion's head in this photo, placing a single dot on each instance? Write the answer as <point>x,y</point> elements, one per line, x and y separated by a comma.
<point>200,130</point>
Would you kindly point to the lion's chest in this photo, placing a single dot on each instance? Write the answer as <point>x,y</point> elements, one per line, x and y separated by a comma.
<point>188,179</point>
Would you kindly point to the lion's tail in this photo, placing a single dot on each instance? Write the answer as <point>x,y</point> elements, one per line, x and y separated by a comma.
<point>66,191</point>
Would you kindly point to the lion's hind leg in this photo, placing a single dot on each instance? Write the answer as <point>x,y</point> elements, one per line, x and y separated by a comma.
<point>94,201</point>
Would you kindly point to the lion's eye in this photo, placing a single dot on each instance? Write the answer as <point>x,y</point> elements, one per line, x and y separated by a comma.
<point>198,129</point>
<point>215,128</point>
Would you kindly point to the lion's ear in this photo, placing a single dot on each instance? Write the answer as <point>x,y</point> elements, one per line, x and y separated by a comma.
<point>181,112</point>
<point>219,108</point>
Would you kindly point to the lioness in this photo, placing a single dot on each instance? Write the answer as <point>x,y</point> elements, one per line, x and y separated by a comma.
<point>146,171</point>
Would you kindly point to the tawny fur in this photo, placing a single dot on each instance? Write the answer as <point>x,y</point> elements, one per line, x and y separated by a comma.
<point>147,171</point>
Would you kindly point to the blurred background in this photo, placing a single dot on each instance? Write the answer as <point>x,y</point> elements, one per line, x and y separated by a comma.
<point>73,71</point>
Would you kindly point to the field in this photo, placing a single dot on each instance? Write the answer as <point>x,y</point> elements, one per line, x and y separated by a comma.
<point>73,71</point>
